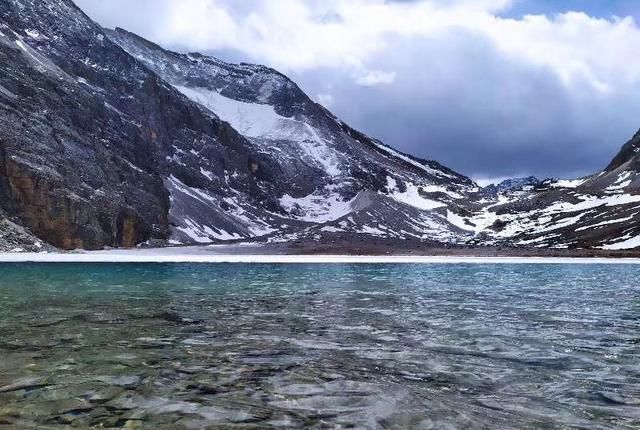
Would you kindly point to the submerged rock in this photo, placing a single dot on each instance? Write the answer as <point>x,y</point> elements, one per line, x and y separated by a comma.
<point>24,384</point>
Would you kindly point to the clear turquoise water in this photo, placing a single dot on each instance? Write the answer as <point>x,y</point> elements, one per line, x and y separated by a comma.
<point>320,346</point>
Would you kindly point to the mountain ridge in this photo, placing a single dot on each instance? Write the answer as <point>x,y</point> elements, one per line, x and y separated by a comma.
<point>108,139</point>
<point>274,113</point>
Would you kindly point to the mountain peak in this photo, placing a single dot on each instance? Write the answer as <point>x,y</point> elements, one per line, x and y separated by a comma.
<point>629,154</point>
<point>513,184</point>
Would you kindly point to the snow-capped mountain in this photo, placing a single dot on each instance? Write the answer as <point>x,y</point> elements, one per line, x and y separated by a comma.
<point>598,211</point>
<point>105,146</point>
<point>512,185</point>
<point>326,177</point>
<point>107,139</point>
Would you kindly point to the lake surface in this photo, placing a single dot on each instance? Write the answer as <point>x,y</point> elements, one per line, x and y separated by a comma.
<point>447,346</point>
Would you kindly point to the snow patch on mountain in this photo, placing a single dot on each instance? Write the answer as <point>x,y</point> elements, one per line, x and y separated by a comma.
<point>630,243</point>
<point>608,222</point>
<point>319,207</point>
<point>575,183</point>
<point>260,121</point>
<point>374,231</point>
<point>412,196</point>
<point>460,222</point>
<point>203,233</point>
<point>623,181</point>
<point>250,119</point>
<point>589,202</point>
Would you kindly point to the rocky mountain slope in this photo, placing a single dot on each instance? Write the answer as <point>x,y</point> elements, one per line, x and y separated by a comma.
<point>107,139</point>
<point>327,177</point>
<point>14,238</point>
<point>598,211</point>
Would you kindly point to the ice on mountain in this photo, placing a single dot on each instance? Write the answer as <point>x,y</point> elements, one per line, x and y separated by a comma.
<point>261,121</point>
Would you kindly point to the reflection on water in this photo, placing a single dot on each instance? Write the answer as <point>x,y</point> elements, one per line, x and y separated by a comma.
<point>315,346</point>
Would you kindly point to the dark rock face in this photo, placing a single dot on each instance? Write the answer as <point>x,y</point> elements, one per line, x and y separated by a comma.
<point>87,133</point>
<point>629,156</point>
<point>107,139</point>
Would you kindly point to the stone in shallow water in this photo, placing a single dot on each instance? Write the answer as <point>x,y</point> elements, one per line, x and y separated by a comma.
<point>300,390</point>
<point>8,416</point>
<point>133,425</point>
<point>49,322</point>
<point>24,384</point>
<point>619,399</point>
<point>104,395</point>
<point>130,381</point>
<point>126,356</point>
<point>204,389</point>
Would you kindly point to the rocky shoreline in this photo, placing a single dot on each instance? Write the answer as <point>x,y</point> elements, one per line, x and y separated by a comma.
<point>394,248</point>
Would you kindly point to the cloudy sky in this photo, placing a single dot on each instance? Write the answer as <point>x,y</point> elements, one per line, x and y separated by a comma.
<point>492,88</point>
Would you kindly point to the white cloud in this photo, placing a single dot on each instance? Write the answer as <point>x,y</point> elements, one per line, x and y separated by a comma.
<point>376,77</point>
<point>574,45</point>
<point>545,95</point>
<point>295,35</point>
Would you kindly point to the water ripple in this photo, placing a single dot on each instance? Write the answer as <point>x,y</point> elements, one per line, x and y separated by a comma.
<point>320,346</point>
